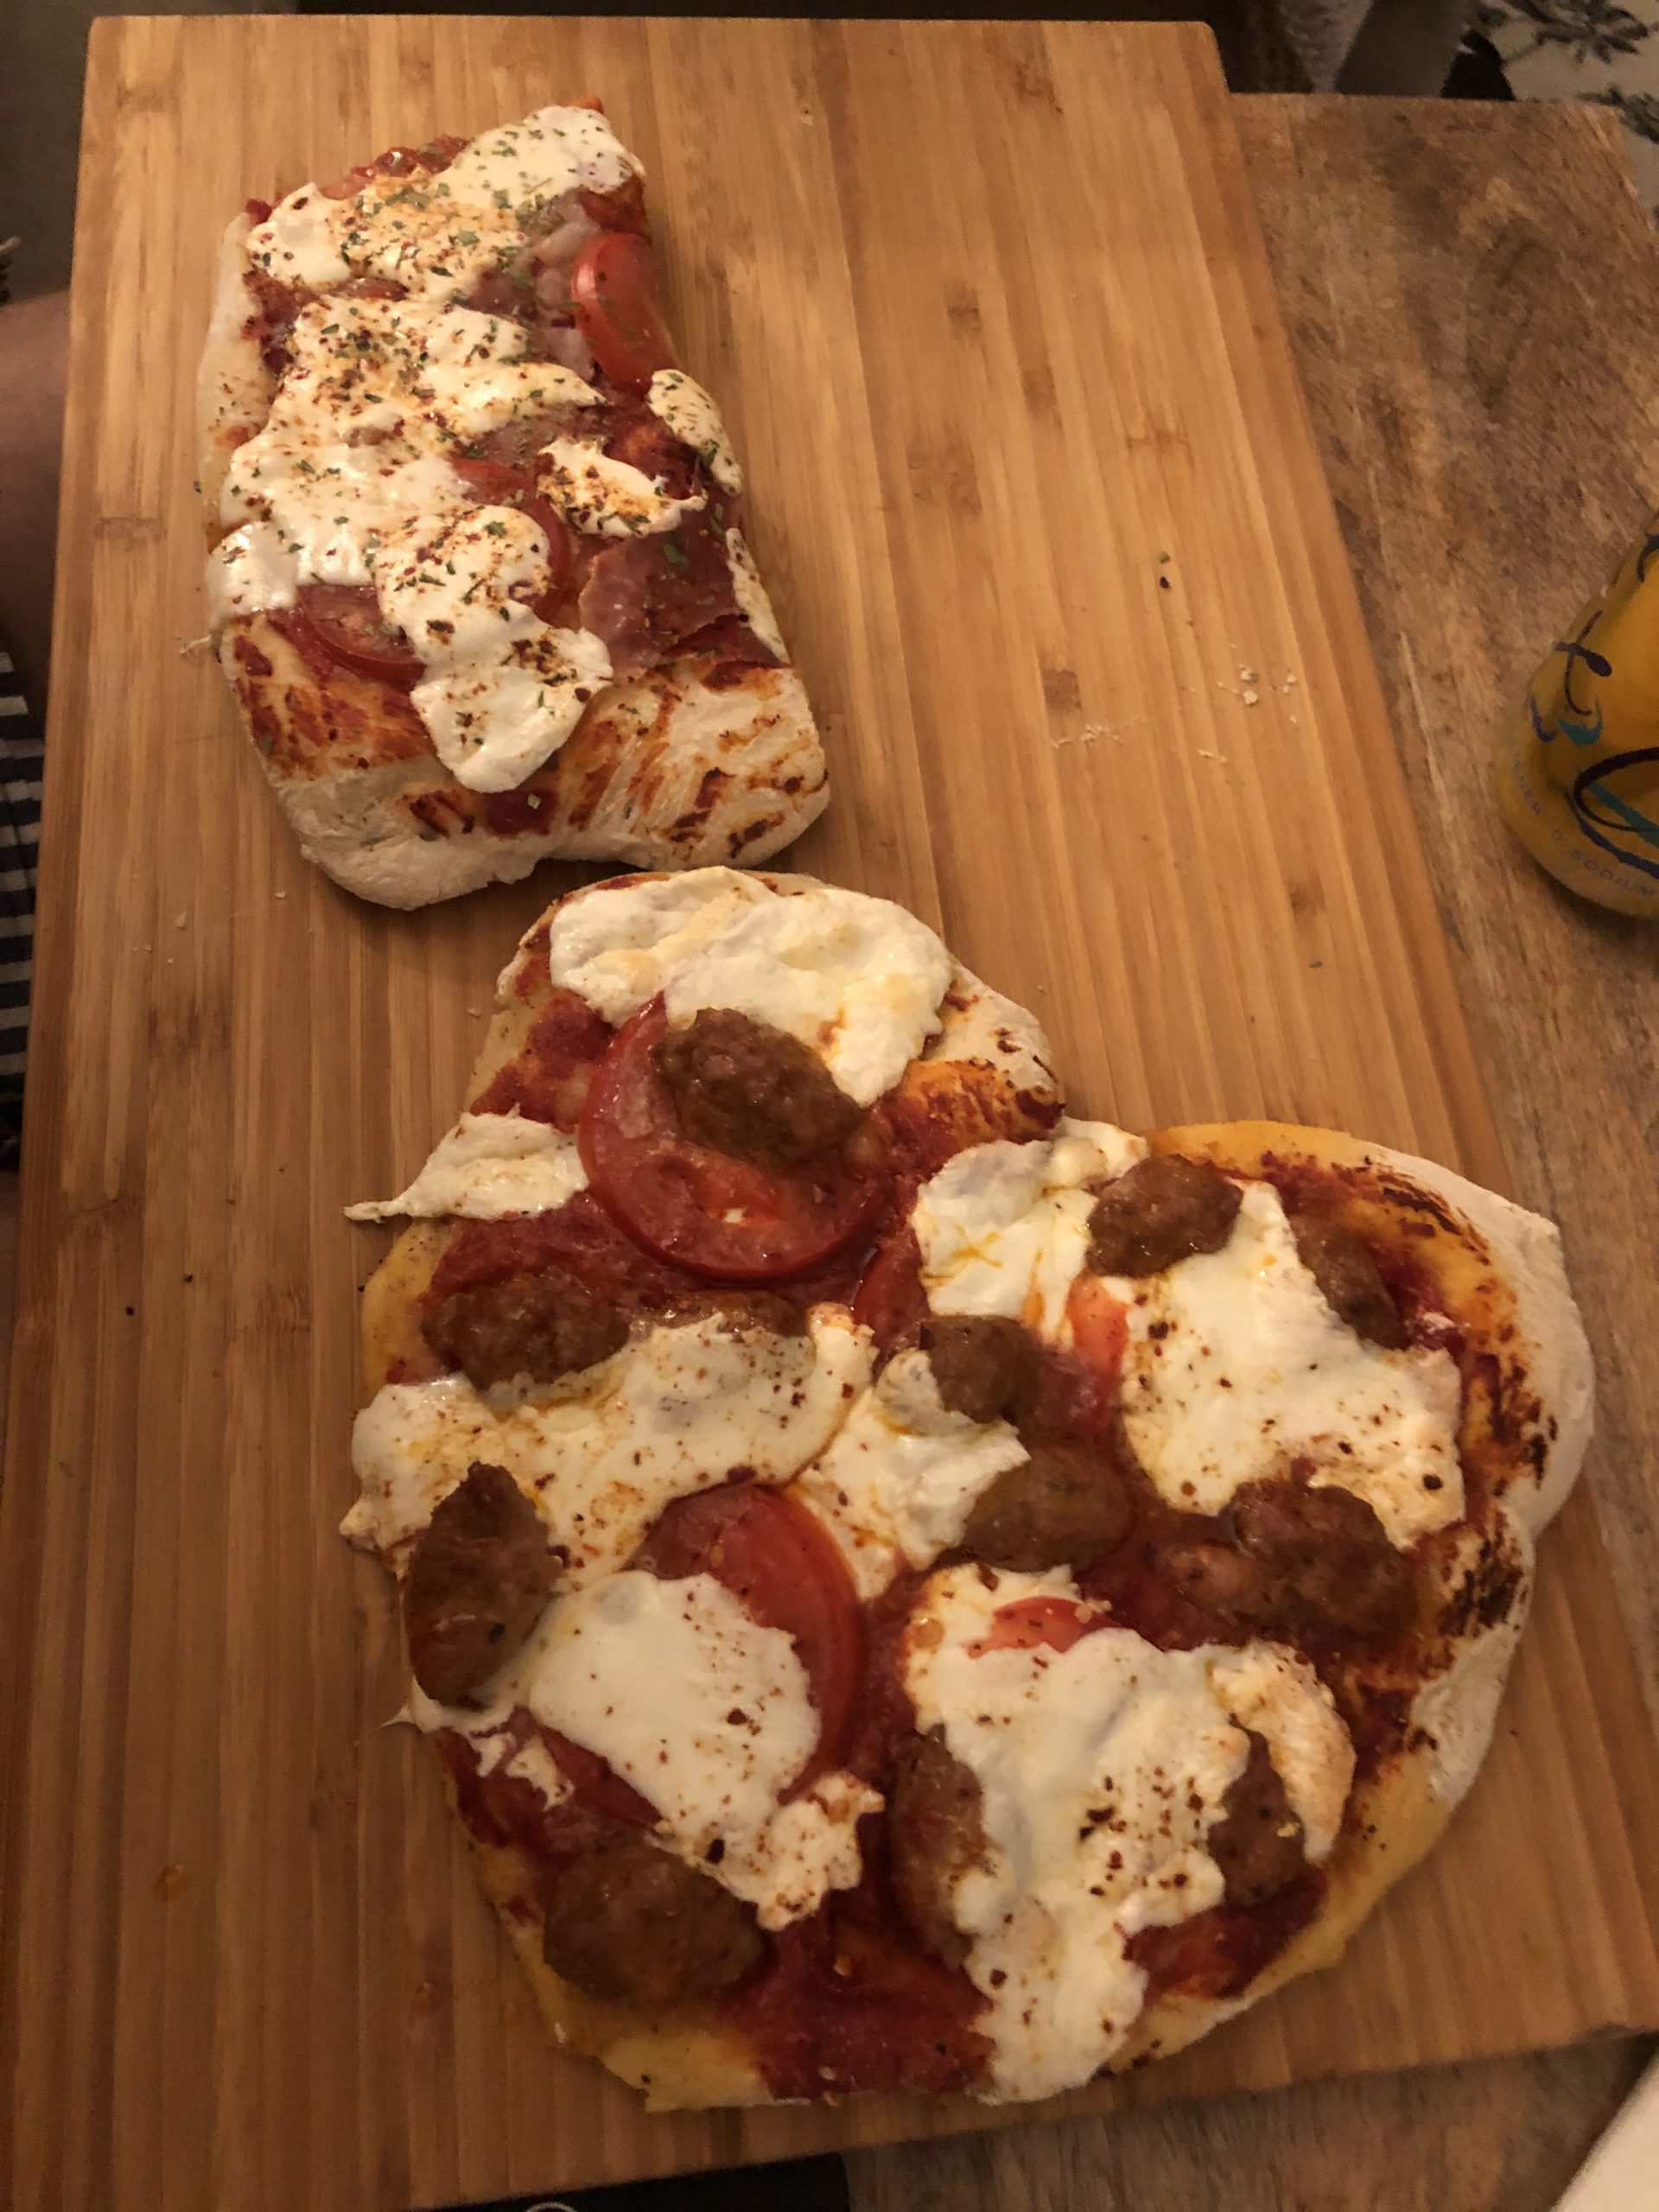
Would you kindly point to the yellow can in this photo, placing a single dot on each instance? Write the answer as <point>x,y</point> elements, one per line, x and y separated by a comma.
<point>1578,767</point>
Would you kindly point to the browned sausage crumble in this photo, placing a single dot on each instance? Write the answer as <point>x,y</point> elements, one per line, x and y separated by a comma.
<point>633,1924</point>
<point>1062,1506</point>
<point>542,1325</point>
<point>1341,1263</point>
<point>938,1832</point>
<point>479,1578</point>
<point>985,1366</point>
<point>752,1090</point>
<point>1257,1842</point>
<point>1291,1556</point>
<point>1164,1209</point>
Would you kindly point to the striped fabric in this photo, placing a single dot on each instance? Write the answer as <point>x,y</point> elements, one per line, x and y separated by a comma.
<point>20,835</point>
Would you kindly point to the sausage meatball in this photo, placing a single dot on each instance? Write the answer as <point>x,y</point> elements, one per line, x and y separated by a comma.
<point>937,1833</point>
<point>752,1091</point>
<point>1294,1557</point>
<point>542,1325</point>
<point>1342,1265</point>
<point>478,1578</point>
<point>1164,1209</point>
<point>984,1366</point>
<point>1062,1506</point>
<point>1257,1842</point>
<point>633,1924</point>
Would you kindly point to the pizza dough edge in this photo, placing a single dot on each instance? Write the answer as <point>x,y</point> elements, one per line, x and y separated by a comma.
<point>351,822</point>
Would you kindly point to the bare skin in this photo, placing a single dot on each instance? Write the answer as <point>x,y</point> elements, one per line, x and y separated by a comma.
<point>33,348</point>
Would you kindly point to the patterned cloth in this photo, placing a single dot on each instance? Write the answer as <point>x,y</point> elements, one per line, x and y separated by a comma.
<point>1597,50</point>
<point>20,836</point>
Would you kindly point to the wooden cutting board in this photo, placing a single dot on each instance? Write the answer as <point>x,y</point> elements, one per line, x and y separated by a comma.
<point>1033,482</point>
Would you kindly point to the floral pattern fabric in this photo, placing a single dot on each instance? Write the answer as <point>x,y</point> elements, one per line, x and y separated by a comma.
<point>1604,51</point>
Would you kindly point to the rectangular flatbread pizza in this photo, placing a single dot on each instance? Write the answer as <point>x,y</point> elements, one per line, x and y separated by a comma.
<point>480,579</point>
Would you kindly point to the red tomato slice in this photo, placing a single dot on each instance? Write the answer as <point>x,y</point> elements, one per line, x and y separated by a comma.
<point>775,1558</point>
<point>890,1300</point>
<point>1029,1622</point>
<point>729,1220</point>
<point>596,1780</point>
<point>498,483</point>
<point>613,283</point>
<point>348,625</point>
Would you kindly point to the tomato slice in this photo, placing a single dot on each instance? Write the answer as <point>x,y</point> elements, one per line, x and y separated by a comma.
<point>1029,1622</point>
<point>890,1300</point>
<point>347,623</point>
<point>728,1220</point>
<point>614,284</point>
<point>498,483</point>
<point>784,1569</point>
<point>598,1781</point>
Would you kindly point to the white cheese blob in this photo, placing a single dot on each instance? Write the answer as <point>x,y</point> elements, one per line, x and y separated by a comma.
<point>710,1716</point>
<point>1237,1366</point>
<point>555,150</point>
<point>899,1481</point>
<point>1003,1227</point>
<point>497,1741</point>
<point>1101,1770</point>
<point>601,1454</point>
<point>436,234</point>
<point>300,241</point>
<point>487,1164</point>
<point>857,980</point>
<point>250,570</point>
<point>681,403</point>
<point>752,599</point>
<point>607,497</point>
<point>1277,1695</point>
<point>504,690</point>
<point>616,945</point>
<point>350,482</point>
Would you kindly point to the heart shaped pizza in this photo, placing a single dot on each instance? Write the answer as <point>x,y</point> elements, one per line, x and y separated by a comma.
<point>911,1590</point>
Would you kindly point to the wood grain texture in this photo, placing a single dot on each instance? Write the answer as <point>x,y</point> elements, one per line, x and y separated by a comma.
<point>244,1961</point>
<point>1472,299</point>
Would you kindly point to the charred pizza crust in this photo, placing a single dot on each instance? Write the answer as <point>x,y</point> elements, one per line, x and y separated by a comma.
<point>700,759</point>
<point>1491,1271</point>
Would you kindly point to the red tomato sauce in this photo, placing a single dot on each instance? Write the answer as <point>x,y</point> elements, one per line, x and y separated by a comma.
<point>848,2001</point>
<point>1220,1952</point>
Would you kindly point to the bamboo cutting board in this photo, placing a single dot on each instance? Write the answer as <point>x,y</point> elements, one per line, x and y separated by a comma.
<point>1032,479</point>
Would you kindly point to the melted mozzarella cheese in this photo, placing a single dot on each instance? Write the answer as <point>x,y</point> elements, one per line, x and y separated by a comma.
<point>616,945</point>
<point>752,599</point>
<point>489,1728</point>
<point>1101,1770</point>
<point>857,980</point>
<point>681,403</point>
<point>503,689</point>
<point>437,234</point>
<point>350,482</point>
<point>899,1481</point>
<point>252,570</point>
<point>1237,1366</point>
<point>607,497</point>
<point>601,1454</point>
<point>1003,1227</point>
<point>489,1164</point>
<point>710,1716</point>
